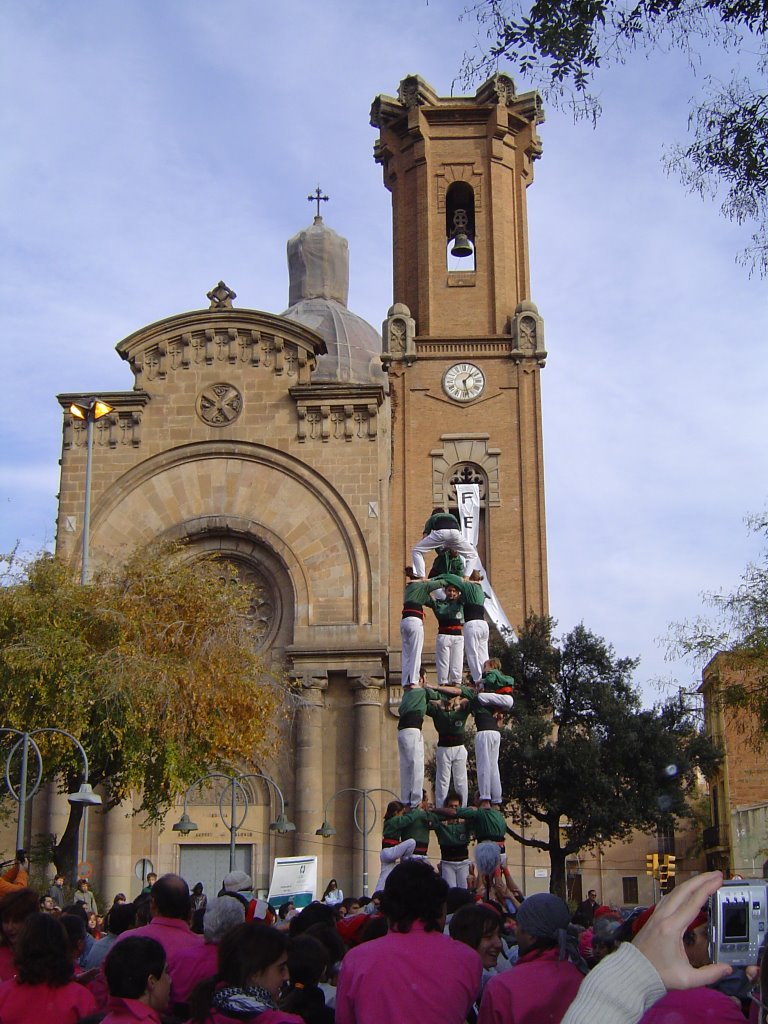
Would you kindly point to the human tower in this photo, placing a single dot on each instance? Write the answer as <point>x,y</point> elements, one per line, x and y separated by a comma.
<point>454,593</point>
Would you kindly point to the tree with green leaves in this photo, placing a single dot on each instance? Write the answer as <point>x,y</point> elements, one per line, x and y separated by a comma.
<point>561,45</point>
<point>581,762</point>
<point>153,666</point>
<point>738,632</point>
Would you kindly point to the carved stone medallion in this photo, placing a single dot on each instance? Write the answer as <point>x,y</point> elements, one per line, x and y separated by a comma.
<point>219,404</point>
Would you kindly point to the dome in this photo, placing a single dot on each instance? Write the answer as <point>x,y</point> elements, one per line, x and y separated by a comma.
<point>318,267</point>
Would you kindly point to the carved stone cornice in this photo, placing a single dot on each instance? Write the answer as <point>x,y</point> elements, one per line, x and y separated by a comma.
<point>413,92</point>
<point>337,412</point>
<point>120,427</point>
<point>316,664</point>
<point>235,337</point>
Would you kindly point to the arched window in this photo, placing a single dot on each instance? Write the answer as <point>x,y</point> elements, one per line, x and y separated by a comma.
<point>460,227</point>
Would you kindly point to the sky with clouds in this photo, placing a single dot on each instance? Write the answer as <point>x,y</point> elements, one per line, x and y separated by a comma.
<point>153,147</point>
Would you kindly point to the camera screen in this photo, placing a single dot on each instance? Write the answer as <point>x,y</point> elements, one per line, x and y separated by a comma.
<point>735,922</point>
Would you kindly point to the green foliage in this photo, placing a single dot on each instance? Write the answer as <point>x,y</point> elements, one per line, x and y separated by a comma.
<point>580,752</point>
<point>738,631</point>
<point>562,44</point>
<point>152,666</point>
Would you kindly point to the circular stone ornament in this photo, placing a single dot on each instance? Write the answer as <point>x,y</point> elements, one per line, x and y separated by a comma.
<point>218,405</point>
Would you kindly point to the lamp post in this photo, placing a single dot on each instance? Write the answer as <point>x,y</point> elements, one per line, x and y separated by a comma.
<point>364,796</point>
<point>234,784</point>
<point>24,793</point>
<point>91,410</point>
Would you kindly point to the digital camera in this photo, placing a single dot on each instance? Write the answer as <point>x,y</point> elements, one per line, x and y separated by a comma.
<point>738,921</point>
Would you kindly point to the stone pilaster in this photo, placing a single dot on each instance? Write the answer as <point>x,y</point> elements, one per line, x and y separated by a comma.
<point>308,802</point>
<point>367,717</point>
<point>117,861</point>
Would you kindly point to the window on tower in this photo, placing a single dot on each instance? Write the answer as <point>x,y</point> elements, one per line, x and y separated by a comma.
<point>460,227</point>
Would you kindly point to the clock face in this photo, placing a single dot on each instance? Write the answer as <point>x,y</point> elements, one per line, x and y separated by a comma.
<point>463,382</point>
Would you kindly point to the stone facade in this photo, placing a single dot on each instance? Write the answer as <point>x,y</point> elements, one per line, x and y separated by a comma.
<point>289,446</point>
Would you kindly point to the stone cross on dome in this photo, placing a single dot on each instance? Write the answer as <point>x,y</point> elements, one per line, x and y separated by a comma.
<point>317,197</point>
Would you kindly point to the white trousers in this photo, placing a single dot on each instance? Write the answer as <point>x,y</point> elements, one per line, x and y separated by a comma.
<point>412,639</point>
<point>410,747</point>
<point>450,761</point>
<point>487,743</point>
<point>453,539</point>
<point>449,658</point>
<point>476,647</point>
<point>455,872</point>
<point>389,856</point>
<point>502,701</point>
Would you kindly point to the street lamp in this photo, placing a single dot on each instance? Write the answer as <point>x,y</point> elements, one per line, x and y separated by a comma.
<point>234,783</point>
<point>91,410</point>
<point>364,796</point>
<point>84,796</point>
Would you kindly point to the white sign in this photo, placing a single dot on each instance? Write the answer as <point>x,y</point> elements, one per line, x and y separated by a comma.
<point>540,872</point>
<point>294,880</point>
<point>468,498</point>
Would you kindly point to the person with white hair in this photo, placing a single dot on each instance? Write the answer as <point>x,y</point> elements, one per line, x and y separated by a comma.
<point>192,965</point>
<point>238,885</point>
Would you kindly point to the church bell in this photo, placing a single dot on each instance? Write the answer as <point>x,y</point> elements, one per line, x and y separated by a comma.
<point>461,245</point>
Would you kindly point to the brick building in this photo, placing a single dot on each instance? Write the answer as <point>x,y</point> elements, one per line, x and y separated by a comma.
<point>737,840</point>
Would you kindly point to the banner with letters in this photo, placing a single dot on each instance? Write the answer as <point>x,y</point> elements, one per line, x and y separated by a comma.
<point>468,498</point>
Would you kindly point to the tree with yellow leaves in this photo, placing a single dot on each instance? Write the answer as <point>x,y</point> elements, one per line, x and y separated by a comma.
<point>153,666</point>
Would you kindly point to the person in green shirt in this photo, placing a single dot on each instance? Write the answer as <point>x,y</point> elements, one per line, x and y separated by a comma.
<point>410,742</point>
<point>450,718</point>
<point>449,646</point>
<point>393,846</point>
<point>442,530</point>
<point>495,689</point>
<point>453,837</point>
<point>417,594</point>
<point>475,627</point>
<point>447,561</point>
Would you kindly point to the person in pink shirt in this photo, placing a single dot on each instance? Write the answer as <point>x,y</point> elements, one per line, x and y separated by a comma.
<point>15,907</point>
<point>170,909</point>
<point>199,962</point>
<point>43,989</point>
<point>138,980</point>
<point>414,972</point>
<point>252,969</point>
<point>548,973</point>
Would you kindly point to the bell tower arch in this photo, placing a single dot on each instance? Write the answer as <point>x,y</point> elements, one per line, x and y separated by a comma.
<point>463,342</point>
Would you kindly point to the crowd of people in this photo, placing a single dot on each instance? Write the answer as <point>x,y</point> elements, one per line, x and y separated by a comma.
<point>418,951</point>
<point>457,944</point>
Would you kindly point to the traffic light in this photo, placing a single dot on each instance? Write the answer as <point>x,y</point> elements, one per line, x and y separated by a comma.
<point>663,877</point>
<point>652,864</point>
<point>670,861</point>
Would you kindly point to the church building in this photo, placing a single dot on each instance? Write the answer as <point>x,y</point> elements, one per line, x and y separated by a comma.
<point>306,450</point>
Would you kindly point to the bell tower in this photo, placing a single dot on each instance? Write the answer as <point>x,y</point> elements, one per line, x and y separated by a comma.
<point>463,342</point>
